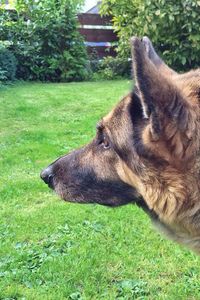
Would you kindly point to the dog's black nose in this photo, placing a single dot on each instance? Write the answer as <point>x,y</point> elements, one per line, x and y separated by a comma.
<point>47,175</point>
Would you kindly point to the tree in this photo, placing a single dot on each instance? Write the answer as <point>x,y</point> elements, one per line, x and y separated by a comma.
<point>173,26</point>
<point>44,37</point>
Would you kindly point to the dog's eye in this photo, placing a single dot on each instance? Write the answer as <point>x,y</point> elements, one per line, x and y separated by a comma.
<point>105,143</point>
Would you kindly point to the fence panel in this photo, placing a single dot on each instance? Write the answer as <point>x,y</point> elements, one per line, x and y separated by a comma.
<point>98,33</point>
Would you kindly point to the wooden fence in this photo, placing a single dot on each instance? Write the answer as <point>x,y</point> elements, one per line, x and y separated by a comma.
<point>98,34</point>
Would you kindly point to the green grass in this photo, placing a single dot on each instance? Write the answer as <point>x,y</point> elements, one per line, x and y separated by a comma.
<point>50,249</point>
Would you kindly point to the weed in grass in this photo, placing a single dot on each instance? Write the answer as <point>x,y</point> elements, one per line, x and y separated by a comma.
<point>131,289</point>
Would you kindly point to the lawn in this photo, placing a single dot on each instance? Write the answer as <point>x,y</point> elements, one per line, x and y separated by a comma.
<point>50,249</point>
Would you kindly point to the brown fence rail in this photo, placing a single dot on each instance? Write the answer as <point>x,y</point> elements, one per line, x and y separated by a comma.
<point>98,34</point>
<point>93,19</point>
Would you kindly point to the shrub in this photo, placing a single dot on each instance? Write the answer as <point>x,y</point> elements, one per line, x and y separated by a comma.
<point>2,76</point>
<point>173,26</point>
<point>8,64</point>
<point>94,61</point>
<point>114,67</point>
<point>117,65</point>
<point>45,40</point>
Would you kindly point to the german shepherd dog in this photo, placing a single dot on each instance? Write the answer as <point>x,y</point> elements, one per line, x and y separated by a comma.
<point>146,151</point>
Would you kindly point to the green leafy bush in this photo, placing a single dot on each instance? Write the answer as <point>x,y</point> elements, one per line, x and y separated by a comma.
<point>8,65</point>
<point>2,76</point>
<point>94,62</point>
<point>45,40</point>
<point>113,68</point>
<point>118,66</point>
<point>173,26</point>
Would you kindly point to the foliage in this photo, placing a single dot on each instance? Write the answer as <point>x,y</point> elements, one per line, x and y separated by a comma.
<point>8,64</point>
<point>115,67</point>
<point>131,289</point>
<point>94,60</point>
<point>173,26</point>
<point>45,40</point>
<point>111,68</point>
<point>50,249</point>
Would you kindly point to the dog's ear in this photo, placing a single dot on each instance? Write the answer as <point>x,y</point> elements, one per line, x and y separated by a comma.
<point>155,59</point>
<point>170,116</point>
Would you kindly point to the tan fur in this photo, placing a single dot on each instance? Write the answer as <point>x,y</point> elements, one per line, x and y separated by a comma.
<point>126,175</point>
<point>168,194</point>
<point>172,192</point>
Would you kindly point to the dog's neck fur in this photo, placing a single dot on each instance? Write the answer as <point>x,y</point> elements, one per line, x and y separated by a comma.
<point>174,208</point>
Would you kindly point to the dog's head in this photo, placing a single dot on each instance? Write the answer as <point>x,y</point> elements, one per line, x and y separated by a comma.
<point>143,147</point>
